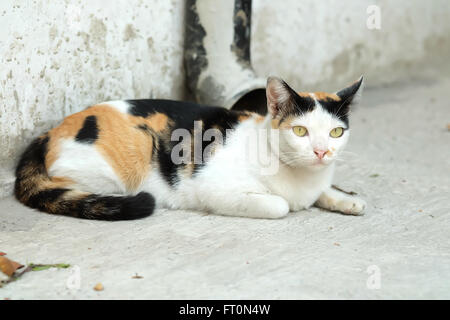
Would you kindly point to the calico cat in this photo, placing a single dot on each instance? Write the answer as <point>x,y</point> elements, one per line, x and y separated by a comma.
<point>118,160</point>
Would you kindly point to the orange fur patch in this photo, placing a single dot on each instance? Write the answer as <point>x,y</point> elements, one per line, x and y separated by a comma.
<point>326,96</point>
<point>126,148</point>
<point>258,118</point>
<point>286,124</point>
<point>74,195</point>
<point>158,122</point>
<point>320,95</point>
<point>56,182</point>
<point>304,94</point>
<point>275,123</point>
<point>68,129</point>
<point>243,117</point>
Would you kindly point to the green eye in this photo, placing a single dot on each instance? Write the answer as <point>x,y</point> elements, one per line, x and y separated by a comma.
<point>337,132</point>
<point>300,131</point>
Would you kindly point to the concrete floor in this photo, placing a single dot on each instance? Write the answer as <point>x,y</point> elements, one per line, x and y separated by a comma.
<point>398,161</point>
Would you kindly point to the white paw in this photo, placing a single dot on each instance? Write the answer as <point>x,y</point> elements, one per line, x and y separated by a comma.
<point>267,207</point>
<point>353,206</point>
<point>279,208</point>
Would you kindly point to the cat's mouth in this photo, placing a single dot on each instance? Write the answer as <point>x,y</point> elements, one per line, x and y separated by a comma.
<point>311,162</point>
<point>319,163</point>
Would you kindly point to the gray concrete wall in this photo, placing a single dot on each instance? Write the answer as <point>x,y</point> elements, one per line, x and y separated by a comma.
<point>325,44</point>
<point>57,57</point>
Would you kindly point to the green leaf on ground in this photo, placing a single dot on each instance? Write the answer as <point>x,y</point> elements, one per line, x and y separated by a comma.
<point>374,175</point>
<point>30,267</point>
<point>40,267</point>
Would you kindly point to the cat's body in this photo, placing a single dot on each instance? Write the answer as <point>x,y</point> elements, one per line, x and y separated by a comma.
<point>115,160</point>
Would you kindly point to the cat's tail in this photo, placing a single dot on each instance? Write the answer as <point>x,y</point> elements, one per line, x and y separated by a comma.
<point>36,189</point>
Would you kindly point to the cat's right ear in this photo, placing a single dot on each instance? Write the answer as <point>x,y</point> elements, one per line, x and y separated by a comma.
<point>278,96</point>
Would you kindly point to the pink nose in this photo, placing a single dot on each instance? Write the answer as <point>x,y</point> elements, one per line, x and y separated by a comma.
<point>320,153</point>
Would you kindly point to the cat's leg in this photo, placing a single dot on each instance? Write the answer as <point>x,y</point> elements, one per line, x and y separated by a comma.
<point>335,200</point>
<point>251,205</point>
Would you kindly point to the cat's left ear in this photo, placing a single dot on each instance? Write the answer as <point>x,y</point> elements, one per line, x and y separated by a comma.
<point>352,94</point>
<point>279,96</point>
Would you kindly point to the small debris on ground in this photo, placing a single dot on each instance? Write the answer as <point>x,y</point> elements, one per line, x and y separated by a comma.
<point>99,287</point>
<point>136,276</point>
<point>352,193</point>
<point>9,269</point>
<point>374,175</point>
<point>337,244</point>
<point>8,266</point>
<point>448,126</point>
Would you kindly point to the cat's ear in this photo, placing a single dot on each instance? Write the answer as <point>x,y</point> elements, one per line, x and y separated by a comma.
<point>352,94</point>
<point>279,96</point>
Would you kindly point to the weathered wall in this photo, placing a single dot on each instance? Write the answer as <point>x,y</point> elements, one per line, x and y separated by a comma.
<point>326,44</point>
<point>57,57</point>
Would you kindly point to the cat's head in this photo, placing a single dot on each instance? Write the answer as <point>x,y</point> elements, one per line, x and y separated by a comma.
<point>313,127</point>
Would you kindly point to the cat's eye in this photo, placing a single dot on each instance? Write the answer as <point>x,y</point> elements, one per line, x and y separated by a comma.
<point>300,131</point>
<point>337,132</point>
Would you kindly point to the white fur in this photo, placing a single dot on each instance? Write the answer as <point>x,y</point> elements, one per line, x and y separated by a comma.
<point>335,200</point>
<point>119,105</point>
<point>319,124</point>
<point>87,167</point>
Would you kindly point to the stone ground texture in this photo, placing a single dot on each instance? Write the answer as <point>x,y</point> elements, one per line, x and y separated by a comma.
<point>398,160</point>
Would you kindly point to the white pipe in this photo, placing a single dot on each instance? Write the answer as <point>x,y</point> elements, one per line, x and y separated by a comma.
<point>217,51</point>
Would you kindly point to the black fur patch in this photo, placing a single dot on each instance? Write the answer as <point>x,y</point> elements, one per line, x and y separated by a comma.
<point>33,157</point>
<point>31,165</point>
<point>167,168</point>
<point>113,208</point>
<point>143,127</point>
<point>347,94</point>
<point>254,101</point>
<point>339,109</point>
<point>183,115</point>
<point>298,105</point>
<point>138,206</point>
<point>44,198</point>
<point>89,132</point>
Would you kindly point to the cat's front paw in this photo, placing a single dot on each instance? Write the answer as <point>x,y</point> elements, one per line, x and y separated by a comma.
<point>352,206</point>
<point>267,207</point>
<point>279,209</point>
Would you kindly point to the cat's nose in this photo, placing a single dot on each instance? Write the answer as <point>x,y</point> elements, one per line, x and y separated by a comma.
<point>320,153</point>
